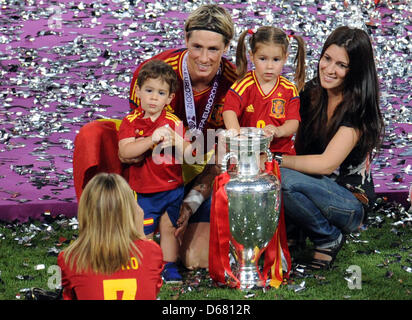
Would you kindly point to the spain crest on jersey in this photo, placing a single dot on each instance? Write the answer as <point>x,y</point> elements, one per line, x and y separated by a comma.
<point>216,116</point>
<point>278,108</point>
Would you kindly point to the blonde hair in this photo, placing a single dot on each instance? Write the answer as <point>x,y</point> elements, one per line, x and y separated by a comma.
<point>211,17</point>
<point>276,36</point>
<point>108,226</point>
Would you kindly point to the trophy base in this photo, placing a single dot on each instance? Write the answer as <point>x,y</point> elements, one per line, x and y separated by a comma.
<point>249,279</point>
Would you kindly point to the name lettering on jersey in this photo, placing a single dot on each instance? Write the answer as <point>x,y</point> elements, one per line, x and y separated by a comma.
<point>136,113</point>
<point>278,108</point>
<point>132,264</point>
<point>250,108</point>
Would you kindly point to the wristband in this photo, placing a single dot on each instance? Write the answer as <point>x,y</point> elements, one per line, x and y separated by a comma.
<point>279,159</point>
<point>194,199</point>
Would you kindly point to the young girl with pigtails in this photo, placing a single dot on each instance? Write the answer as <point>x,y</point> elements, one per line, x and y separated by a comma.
<point>261,97</point>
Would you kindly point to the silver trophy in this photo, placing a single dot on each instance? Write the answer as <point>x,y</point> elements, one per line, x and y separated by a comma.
<point>254,203</point>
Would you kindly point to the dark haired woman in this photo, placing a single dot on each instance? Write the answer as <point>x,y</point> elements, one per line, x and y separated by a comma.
<point>328,186</point>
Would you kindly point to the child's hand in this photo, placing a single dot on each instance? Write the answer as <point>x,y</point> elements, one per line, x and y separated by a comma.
<point>162,134</point>
<point>271,130</point>
<point>232,132</point>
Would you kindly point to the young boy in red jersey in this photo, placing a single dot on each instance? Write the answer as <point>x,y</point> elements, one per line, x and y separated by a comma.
<point>157,179</point>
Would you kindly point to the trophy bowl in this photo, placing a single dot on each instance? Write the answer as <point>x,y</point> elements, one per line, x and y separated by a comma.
<point>254,205</point>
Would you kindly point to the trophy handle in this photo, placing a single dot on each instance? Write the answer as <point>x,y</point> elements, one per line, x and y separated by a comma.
<point>269,155</point>
<point>226,159</point>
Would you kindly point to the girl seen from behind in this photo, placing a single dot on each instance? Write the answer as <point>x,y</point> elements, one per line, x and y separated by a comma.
<point>111,259</point>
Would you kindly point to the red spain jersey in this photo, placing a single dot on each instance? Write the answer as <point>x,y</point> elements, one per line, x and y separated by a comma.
<point>174,57</point>
<point>256,109</point>
<point>153,174</point>
<point>135,281</point>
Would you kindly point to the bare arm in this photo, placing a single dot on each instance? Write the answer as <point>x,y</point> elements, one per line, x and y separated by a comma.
<point>131,148</point>
<point>335,153</point>
<point>289,128</point>
<point>230,120</point>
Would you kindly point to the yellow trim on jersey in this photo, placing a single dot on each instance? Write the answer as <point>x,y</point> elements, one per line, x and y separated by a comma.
<point>134,96</point>
<point>289,85</point>
<point>179,67</point>
<point>171,59</point>
<point>248,84</point>
<point>265,96</point>
<point>172,117</point>
<point>117,122</point>
<point>283,79</point>
<point>174,64</point>
<point>238,84</point>
<point>136,113</point>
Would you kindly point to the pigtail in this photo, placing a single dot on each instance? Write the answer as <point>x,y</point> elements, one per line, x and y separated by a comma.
<point>300,63</point>
<point>241,58</point>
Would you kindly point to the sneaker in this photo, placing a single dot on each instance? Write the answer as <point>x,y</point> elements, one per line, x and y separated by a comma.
<point>171,274</point>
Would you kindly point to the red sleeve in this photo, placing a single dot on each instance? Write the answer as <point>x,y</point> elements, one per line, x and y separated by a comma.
<point>127,128</point>
<point>232,102</point>
<point>67,287</point>
<point>292,109</point>
<point>153,267</point>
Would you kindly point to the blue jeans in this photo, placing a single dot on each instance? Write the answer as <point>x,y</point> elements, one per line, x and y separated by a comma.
<point>319,206</point>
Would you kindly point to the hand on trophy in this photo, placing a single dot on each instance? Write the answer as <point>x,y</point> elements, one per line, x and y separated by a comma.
<point>271,130</point>
<point>231,132</point>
